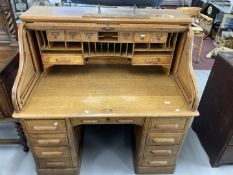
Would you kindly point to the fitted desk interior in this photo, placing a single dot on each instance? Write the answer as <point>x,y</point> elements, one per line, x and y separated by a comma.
<point>80,68</point>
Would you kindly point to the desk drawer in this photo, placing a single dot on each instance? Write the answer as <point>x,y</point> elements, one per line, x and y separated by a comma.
<point>55,163</point>
<point>161,150</point>
<point>73,36</point>
<point>55,35</point>
<point>126,37</point>
<point>159,37</point>
<point>164,138</point>
<point>158,160</point>
<point>52,152</point>
<point>167,124</point>
<point>45,126</point>
<point>142,37</point>
<point>108,120</point>
<point>89,36</point>
<point>49,139</point>
<point>62,59</point>
<point>152,60</point>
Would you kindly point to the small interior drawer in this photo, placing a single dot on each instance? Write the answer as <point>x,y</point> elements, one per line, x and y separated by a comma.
<point>51,152</point>
<point>72,36</point>
<point>55,163</point>
<point>55,35</point>
<point>45,126</point>
<point>167,124</point>
<point>62,59</point>
<point>164,138</point>
<point>126,36</point>
<point>159,37</point>
<point>48,139</point>
<point>108,120</point>
<point>161,150</point>
<point>142,37</point>
<point>158,161</point>
<point>152,60</point>
<point>89,36</point>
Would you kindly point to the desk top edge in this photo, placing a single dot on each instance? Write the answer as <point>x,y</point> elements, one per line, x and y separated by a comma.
<point>90,14</point>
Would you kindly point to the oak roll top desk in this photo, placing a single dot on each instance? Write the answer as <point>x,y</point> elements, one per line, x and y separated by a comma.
<point>80,66</point>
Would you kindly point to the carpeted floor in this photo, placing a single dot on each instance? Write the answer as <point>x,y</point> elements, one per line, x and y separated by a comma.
<point>205,63</point>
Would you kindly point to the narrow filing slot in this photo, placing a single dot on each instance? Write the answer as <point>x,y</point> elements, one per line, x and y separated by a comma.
<point>95,49</point>
<point>114,48</point>
<point>126,49</point>
<point>89,48</point>
<point>108,48</point>
<point>43,39</point>
<point>170,40</point>
<point>39,40</point>
<point>120,47</point>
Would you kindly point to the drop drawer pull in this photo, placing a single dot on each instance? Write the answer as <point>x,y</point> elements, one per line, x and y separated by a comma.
<point>125,121</point>
<point>55,164</point>
<point>52,141</point>
<point>152,60</point>
<point>90,121</point>
<point>89,34</point>
<point>47,128</point>
<point>158,162</point>
<point>55,153</point>
<point>63,60</point>
<point>165,126</point>
<point>165,151</point>
<point>162,140</point>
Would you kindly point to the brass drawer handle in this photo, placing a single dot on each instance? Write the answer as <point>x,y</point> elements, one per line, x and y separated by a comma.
<point>158,162</point>
<point>152,60</point>
<point>126,121</point>
<point>165,151</point>
<point>55,34</point>
<point>167,126</point>
<point>55,153</point>
<point>163,140</point>
<point>90,121</point>
<point>63,60</point>
<point>52,141</point>
<point>107,28</point>
<point>55,164</point>
<point>89,34</point>
<point>142,36</point>
<point>125,34</point>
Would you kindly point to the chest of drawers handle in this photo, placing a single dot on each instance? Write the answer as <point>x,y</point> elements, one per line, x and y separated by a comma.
<point>158,162</point>
<point>45,128</point>
<point>51,141</point>
<point>55,153</point>
<point>142,36</point>
<point>168,151</point>
<point>166,126</point>
<point>90,121</point>
<point>163,140</point>
<point>126,121</point>
<point>55,164</point>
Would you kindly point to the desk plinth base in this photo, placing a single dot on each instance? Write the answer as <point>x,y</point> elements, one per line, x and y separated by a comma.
<point>68,171</point>
<point>154,170</point>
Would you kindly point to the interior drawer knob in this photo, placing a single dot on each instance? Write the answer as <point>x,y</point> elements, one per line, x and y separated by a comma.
<point>62,60</point>
<point>152,60</point>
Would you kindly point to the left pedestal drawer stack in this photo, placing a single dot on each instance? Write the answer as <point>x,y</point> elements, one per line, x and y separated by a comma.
<point>50,145</point>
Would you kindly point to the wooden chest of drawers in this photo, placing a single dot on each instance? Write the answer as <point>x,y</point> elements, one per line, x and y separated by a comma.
<point>214,127</point>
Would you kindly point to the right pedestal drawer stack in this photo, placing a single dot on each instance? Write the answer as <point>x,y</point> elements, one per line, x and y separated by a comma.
<point>163,143</point>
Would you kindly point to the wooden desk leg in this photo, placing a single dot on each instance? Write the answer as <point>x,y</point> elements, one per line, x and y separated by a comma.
<point>22,138</point>
<point>200,48</point>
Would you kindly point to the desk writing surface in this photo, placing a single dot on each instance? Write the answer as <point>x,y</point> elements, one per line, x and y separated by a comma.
<point>90,90</point>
